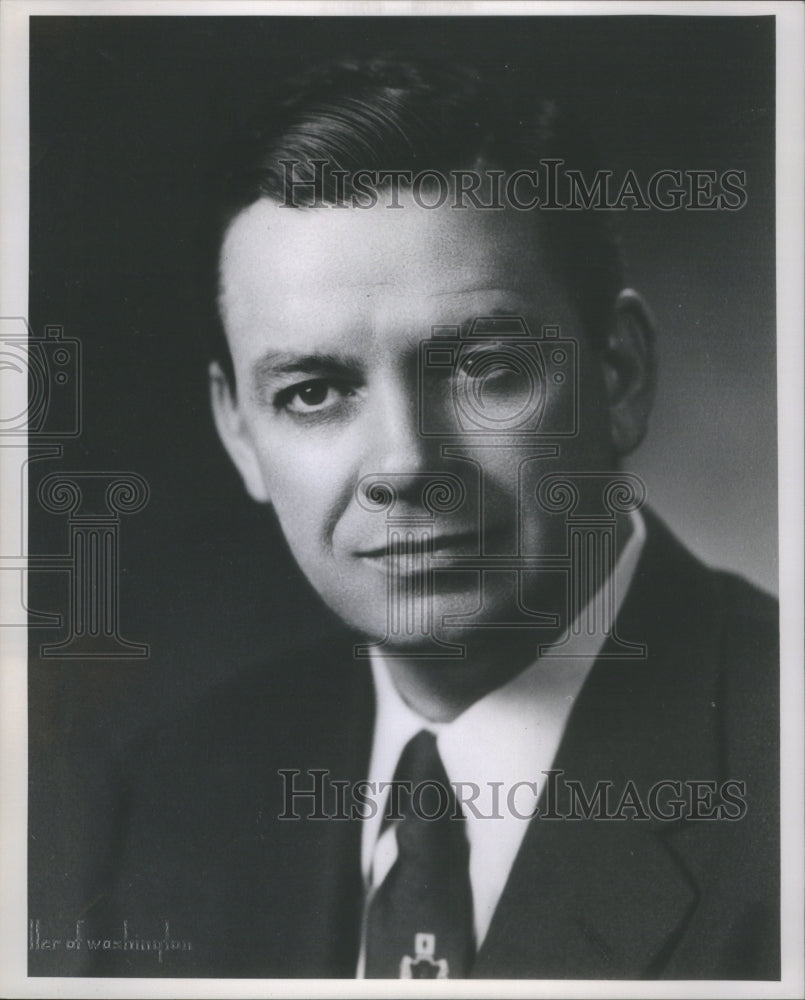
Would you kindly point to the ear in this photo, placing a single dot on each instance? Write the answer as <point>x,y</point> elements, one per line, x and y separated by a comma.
<point>234,434</point>
<point>629,364</point>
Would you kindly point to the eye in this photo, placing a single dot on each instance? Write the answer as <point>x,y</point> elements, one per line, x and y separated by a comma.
<point>313,396</point>
<point>493,365</point>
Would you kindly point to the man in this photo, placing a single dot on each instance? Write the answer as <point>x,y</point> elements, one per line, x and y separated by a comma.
<point>547,748</point>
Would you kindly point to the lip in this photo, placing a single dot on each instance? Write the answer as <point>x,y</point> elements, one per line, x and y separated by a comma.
<point>409,559</point>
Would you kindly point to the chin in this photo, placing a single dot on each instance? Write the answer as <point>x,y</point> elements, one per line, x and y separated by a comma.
<point>454,623</point>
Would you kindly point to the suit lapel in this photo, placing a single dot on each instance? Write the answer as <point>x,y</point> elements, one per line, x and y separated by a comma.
<point>587,900</point>
<point>591,898</point>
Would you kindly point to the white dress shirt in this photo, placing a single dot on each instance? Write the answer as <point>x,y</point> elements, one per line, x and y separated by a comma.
<point>502,743</point>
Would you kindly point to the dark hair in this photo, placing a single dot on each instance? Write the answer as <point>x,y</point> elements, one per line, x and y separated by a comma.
<point>386,114</point>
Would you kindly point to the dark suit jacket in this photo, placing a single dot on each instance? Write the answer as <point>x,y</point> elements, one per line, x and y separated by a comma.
<point>196,840</point>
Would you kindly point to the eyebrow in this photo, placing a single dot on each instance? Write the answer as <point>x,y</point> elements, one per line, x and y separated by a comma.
<point>274,363</point>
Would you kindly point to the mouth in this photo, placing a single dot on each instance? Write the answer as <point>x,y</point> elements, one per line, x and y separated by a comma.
<point>410,553</point>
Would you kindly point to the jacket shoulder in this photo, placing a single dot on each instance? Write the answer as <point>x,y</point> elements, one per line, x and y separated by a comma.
<point>749,680</point>
<point>745,605</point>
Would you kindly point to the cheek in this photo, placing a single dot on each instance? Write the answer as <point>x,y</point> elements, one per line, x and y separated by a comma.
<point>309,485</point>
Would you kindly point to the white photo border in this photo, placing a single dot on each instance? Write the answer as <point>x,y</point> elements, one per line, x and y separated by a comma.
<point>790,176</point>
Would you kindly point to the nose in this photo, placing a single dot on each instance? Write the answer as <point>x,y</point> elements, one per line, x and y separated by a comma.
<point>397,457</point>
<point>395,442</point>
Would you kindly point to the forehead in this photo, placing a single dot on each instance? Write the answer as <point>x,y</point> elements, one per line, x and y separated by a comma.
<point>362,270</point>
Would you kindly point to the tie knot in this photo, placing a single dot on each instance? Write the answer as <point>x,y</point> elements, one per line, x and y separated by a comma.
<point>420,760</point>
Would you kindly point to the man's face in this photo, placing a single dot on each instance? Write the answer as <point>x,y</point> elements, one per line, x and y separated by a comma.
<point>325,311</point>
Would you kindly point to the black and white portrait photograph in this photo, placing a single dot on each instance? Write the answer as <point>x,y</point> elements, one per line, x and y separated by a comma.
<point>401,446</point>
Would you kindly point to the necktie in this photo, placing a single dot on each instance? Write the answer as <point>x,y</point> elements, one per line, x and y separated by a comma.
<point>420,921</point>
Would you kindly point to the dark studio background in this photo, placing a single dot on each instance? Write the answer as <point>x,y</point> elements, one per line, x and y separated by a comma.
<point>125,112</point>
